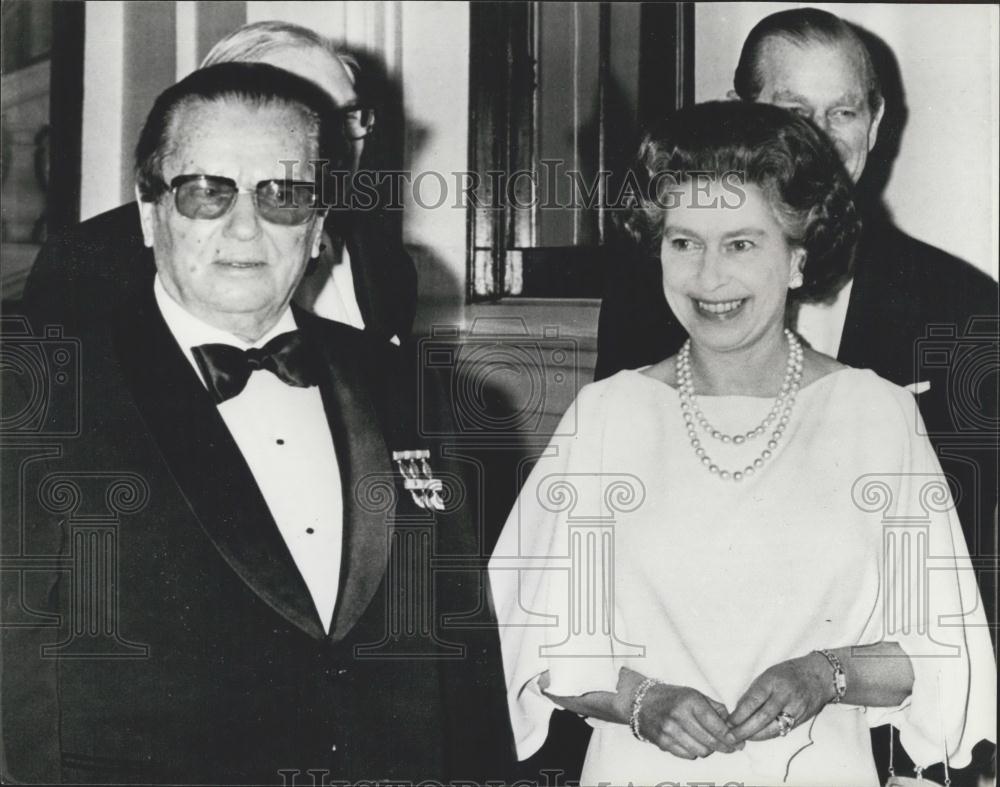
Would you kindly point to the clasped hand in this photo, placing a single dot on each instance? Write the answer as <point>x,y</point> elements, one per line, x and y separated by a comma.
<point>686,723</point>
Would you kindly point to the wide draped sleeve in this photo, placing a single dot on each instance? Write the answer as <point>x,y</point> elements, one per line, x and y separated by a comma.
<point>929,603</point>
<point>553,616</point>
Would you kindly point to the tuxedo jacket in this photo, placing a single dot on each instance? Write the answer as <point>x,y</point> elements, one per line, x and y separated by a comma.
<point>79,274</point>
<point>156,627</point>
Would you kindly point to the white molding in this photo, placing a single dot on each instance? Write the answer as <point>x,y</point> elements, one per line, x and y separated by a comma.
<point>103,83</point>
<point>187,37</point>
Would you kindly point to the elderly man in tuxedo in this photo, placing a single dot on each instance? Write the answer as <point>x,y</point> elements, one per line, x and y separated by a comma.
<point>880,318</point>
<point>254,575</point>
<point>363,277</point>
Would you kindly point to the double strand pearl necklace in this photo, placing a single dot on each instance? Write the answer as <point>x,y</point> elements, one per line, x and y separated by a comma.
<point>780,410</point>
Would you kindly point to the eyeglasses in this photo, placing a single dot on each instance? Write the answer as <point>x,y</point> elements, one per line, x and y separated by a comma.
<point>285,202</point>
<point>358,121</point>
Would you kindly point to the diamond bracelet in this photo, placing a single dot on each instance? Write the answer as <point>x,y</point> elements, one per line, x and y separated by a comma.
<point>839,676</point>
<point>637,698</point>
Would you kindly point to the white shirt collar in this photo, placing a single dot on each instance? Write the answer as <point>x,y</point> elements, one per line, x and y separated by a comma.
<point>188,331</point>
<point>822,324</point>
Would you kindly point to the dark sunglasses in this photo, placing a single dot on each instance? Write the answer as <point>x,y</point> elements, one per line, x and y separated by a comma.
<point>285,202</point>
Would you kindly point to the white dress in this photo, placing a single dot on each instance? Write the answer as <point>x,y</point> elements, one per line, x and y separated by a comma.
<point>623,550</point>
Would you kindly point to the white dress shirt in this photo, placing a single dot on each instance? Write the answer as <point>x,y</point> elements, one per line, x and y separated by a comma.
<point>336,299</point>
<point>822,324</point>
<point>283,434</point>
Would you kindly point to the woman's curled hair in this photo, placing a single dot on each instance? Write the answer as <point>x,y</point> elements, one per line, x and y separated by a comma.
<point>783,154</point>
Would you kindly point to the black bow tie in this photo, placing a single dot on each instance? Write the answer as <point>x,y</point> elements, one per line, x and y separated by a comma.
<point>226,369</point>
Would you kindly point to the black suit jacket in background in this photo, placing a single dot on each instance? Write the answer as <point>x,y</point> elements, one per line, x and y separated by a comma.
<point>79,275</point>
<point>218,670</point>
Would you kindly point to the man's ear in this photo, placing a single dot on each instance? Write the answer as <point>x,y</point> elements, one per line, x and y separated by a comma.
<point>873,128</point>
<point>145,218</point>
<point>732,95</point>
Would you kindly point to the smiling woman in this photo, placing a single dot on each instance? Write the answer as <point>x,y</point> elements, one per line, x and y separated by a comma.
<point>748,206</point>
<point>727,269</point>
<point>743,616</point>
<point>746,152</point>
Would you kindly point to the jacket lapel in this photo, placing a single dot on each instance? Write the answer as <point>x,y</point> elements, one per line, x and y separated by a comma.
<point>882,312</point>
<point>205,462</point>
<point>854,341</point>
<point>385,280</point>
<point>359,437</point>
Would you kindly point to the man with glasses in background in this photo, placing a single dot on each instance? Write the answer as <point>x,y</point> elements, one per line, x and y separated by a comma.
<point>254,577</point>
<point>363,277</point>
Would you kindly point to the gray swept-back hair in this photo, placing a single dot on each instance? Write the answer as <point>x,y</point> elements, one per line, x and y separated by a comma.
<point>801,26</point>
<point>251,42</point>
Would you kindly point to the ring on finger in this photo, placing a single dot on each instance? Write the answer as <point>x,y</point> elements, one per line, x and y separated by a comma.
<point>785,723</point>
